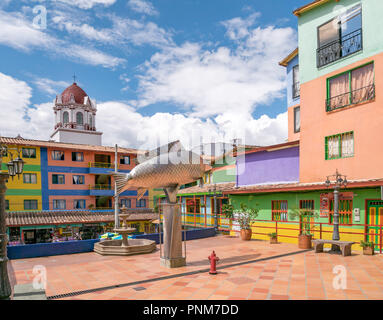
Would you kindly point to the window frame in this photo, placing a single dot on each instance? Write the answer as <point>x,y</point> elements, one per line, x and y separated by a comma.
<point>30,201</point>
<point>273,211</point>
<point>349,72</point>
<point>294,111</point>
<point>30,175</point>
<point>295,81</point>
<point>55,201</point>
<point>340,146</point>
<point>75,153</point>
<point>78,175</point>
<point>63,175</point>
<point>79,200</point>
<point>129,201</point>
<point>122,160</point>
<point>54,152</point>
<point>29,157</point>
<point>138,203</point>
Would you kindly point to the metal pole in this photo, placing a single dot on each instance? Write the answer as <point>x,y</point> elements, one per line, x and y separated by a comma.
<point>116,197</point>
<point>215,212</point>
<point>335,235</point>
<point>5,286</point>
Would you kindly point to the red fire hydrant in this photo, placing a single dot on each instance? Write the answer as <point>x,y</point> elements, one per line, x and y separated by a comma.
<point>213,262</point>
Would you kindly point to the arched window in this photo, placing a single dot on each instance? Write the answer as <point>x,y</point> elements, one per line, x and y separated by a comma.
<point>65,117</point>
<point>79,118</point>
<point>90,121</point>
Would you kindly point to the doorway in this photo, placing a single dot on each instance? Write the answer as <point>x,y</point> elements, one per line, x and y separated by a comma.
<point>374,221</point>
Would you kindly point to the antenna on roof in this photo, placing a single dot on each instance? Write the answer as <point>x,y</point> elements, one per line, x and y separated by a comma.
<point>74,78</point>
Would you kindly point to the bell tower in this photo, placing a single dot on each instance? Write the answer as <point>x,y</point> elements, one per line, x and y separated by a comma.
<point>75,117</point>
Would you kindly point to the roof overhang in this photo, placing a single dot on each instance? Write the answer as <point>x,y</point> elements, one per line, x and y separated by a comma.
<point>311,6</point>
<point>290,57</point>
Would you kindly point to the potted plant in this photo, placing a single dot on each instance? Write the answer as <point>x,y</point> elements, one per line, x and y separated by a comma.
<point>242,216</point>
<point>273,237</point>
<point>305,217</point>
<point>368,247</point>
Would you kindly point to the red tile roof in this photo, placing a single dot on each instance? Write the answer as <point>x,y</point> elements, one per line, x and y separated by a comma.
<point>75,91</point>
<point>220,187</point>
<point>18,219</point>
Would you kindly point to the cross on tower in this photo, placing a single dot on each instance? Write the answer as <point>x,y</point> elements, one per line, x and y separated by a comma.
<point>74,78</point>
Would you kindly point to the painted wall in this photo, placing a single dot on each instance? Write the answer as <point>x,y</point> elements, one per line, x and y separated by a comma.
<point>268,167</point>
<point>372,24</point>
<point>364,119</point>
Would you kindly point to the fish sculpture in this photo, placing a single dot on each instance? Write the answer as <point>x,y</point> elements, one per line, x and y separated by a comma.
<point>167,167</point>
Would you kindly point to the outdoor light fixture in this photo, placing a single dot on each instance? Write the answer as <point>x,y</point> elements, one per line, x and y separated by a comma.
<point>339,181</point>
<point>15,167</point>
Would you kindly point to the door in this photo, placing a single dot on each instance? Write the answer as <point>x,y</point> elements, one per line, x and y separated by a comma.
<point>374,221</point>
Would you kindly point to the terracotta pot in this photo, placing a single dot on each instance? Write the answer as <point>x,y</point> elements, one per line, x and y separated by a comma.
<point>273,240</point>
<point>304,241</point>
<point>246,234</point>
<point>368,251</point>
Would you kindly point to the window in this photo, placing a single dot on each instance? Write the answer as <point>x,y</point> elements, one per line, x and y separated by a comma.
<point>30,178</point>
<point>78,179</point>
<point>77,156</point>
<point>59,204</point>
<point>127,203</point>
<point>125,160</point>
<point>90,121</point>
<point>30,204</point>
<point>297,119</point>
<point>279,210</point>
<point>65,117</point>
<point>79,118</point>
<point>79,204</point>
<point>141,203</point>
<point>296,83</point>
<point>345,210</point>
<point>340,37</point>
<point>207,178</point>
<point>339,146</point>
<point>6,204</point>
<point>29,153</point>
<point>352,87</point>
<point>58,155</point>
<point>58,179</point>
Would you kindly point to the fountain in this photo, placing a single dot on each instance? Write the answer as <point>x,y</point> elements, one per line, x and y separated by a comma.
<point>124,247</point>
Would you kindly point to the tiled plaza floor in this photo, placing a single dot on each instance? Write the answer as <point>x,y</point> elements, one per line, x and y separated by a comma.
<point>247,270</point>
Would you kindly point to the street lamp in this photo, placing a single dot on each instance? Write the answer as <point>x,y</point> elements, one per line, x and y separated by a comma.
<point>15,167</point>
<point>339,181</point>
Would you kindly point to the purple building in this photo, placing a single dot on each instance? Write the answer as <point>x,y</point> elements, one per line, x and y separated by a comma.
<point>269,165</point>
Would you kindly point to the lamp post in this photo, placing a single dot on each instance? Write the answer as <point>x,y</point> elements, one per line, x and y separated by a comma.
<point>15,167</point>
<point>339,181</point>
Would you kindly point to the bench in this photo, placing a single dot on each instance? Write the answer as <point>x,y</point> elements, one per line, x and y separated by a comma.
<point>345,246</point>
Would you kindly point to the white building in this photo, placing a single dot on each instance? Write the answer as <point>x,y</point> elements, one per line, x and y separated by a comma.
<point>75,114</point>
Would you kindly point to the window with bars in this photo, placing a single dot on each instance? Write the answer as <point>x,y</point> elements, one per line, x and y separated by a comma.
<point>351,87</point>
<point>345,211</point>
<point>339,146</point>
<point>30,178</point>
<point>279,210</point>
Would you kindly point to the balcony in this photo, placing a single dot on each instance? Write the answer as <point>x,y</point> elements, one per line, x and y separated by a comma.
<point>296,90</point>
<point>101,190</point>
<point>339,49</point>
<point>349,98</point>
<point>101,167</point>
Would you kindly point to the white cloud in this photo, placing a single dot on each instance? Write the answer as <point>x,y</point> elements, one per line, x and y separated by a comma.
<point>88,4</point>
<point>50,86</point>
<point>238,28</point>
<point>15,97</point>
<point>142,6</point>
<point>213,82</point>
<point>18,33</point>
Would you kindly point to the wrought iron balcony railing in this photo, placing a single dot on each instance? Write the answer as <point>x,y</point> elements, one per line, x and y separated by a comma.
<point>354,97</point>
<point>296,90</point>
<point>338,49</point>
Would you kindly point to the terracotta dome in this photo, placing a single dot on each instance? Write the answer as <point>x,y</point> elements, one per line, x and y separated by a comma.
<point>76,91</point>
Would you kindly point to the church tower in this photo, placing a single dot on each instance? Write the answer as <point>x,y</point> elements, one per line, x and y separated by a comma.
<point>75,116</point>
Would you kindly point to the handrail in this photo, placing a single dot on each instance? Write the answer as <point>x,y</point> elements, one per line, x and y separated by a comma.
<point>102,165</point>
<point>100,187</point>
<point>350,98</point>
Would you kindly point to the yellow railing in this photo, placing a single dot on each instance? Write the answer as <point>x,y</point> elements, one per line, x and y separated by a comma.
<point>100,187</point>
<point>102,165</point>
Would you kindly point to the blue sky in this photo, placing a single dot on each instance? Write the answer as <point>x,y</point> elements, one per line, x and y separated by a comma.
<point>170,66</point>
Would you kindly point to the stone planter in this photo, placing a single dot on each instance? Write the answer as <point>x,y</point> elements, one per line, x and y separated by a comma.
<point>304,241</point>
<point>368,251</point>
<point>246,234</point>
